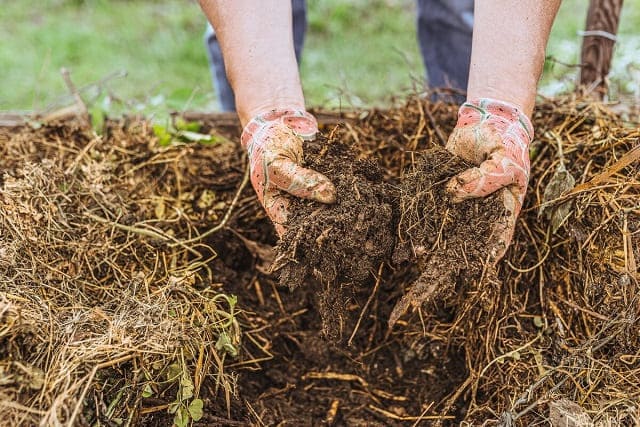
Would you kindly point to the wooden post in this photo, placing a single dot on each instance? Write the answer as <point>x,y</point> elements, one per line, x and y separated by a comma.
<point>597,44</point>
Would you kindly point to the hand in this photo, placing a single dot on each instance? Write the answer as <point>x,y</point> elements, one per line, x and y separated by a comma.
<point>495,136</point>
<point>274,143</point>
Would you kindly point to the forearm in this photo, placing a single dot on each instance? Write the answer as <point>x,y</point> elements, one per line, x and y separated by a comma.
<point>257,44</point>
<point>509,41</point>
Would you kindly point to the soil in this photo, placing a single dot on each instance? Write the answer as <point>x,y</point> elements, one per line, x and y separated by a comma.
<point>449,241</point>
<point>334,248</point>
<point>439,359</point>
<point>311,374</point>
<point>335,353</point>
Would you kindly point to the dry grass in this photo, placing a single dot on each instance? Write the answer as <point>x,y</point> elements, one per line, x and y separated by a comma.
<point>109,308</point>
<point>100,300</point>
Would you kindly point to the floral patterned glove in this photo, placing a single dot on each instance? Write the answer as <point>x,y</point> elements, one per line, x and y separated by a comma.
<point>495,136</point>
<point>273,141</point>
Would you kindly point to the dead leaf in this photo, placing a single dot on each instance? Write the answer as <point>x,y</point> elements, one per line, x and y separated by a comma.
<point>561,182</point>
<point>565,413</point>
<point>160,209</point>
<point>265,254</point>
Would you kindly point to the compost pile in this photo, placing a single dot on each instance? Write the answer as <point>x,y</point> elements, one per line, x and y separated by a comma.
<point>120,260</point>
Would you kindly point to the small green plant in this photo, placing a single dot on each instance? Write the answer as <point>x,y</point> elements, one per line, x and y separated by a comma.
<point>185,408</point>
<point>183,131</point>
<point>229,338</point>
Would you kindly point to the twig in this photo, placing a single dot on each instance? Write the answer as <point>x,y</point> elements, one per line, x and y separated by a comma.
<point>435,126</point>
<point>144,232</point>
<point>72,167</point>
<point>422,415</point>
<point>509,354</point>
<point>335,376</point>
<point>19,407</point>
<point>366,306</point>
<point>409,418</point>
<point>84,112</point>
<point>136,230</point>
<point>628,158</point>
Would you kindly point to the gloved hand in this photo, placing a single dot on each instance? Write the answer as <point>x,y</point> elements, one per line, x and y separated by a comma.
<point>273,141</point>
<point>495,136</point>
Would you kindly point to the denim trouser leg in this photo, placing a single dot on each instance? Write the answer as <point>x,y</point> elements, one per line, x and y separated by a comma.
<point>444,34</point>
<point>216,62</point>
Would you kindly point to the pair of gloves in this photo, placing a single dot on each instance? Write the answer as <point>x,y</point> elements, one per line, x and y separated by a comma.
<point>492,134</point>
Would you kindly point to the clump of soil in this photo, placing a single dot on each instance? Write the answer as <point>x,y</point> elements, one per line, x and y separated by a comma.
<point>341,245</point>
<point>448,241</point>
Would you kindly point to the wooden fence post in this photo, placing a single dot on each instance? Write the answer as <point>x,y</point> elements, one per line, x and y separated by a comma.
<point>599,38</point>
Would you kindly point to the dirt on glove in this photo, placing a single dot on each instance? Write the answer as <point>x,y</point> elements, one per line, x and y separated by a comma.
<point>334,248</point>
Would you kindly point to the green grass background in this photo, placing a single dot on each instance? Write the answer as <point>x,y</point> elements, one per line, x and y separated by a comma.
<point>358,53</point>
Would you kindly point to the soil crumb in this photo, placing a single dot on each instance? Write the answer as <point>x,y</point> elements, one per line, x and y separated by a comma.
<point>342,245</point>
<point>447,240</point>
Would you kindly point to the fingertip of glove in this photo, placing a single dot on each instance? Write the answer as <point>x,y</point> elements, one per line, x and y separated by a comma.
<point>302,123</point>
<point>314,186</point>
<point>456,191</point>
<point>325,192</point>
<point>280,230</point>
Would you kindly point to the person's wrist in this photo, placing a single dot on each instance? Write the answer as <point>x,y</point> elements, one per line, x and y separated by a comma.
<point>503,109</point>
<point>299,121</point>
<point>254,100</point>
<point>249,113</point>
<point>522,96</point>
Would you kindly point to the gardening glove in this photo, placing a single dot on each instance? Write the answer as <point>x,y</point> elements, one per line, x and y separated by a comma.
<point>273,141</point>
<point>495,136</point>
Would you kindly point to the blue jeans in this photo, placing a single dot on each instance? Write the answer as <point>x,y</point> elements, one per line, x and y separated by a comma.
<point>444,34</point>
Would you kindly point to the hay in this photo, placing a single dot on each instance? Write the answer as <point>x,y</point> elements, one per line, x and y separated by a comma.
<point>106,290</point>
<point>100,303</point>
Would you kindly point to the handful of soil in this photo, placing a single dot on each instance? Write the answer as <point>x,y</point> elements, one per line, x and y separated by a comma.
<point>339,245</point>
<point>449,241</point>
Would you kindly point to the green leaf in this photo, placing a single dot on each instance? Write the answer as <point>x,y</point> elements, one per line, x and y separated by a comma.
<point>182,124</point>
<point>186,387</point>
<point>148,391</point>
<point>182,417</point>
<point>34,124</point>
<point>173,372</point>
<point>163,135</point>
<point>195,136</point>
<point>537,320</point>
<point>173,407</point>
<point>224,343</point>
<point>233,300</point>
<point>184,131</point>
<point>97,115</point>
<point>195,409</point>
